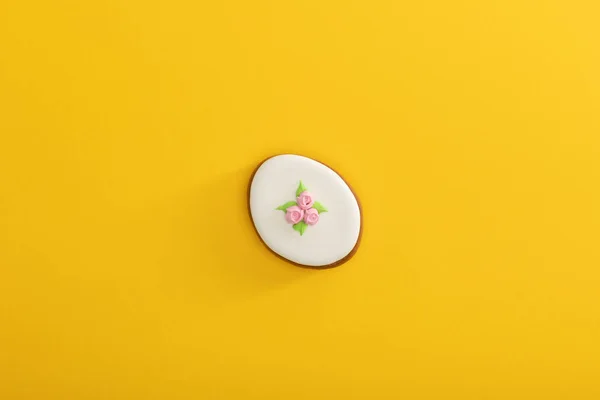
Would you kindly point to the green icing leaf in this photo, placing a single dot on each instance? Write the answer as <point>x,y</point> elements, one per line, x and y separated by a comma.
<point>301,188</point>
<point>300,227</point>
<point>285,206</point>
<point>319,207</point>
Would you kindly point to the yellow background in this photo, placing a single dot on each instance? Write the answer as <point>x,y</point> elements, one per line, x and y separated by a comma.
<point>469,129</point>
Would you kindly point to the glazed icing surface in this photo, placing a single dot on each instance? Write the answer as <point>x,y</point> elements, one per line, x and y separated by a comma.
<point>337,231</point>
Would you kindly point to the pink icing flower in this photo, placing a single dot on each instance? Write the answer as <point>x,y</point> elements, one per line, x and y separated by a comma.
<point>294,214</point>
<point>305,200</point>
<point>311,216</point>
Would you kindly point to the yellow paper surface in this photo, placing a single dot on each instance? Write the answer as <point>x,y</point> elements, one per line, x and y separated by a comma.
<point>129,269</point>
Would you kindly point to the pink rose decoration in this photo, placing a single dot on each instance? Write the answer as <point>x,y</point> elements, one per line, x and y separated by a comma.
<point>311,216</point>
<point>305,200</point>
<point>302,212</point>
<point>294,214</point>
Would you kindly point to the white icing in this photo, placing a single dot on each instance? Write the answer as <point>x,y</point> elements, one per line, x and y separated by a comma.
<point>337,231</point>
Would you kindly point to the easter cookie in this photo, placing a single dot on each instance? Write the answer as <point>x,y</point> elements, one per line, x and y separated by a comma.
<point>304,211</point>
